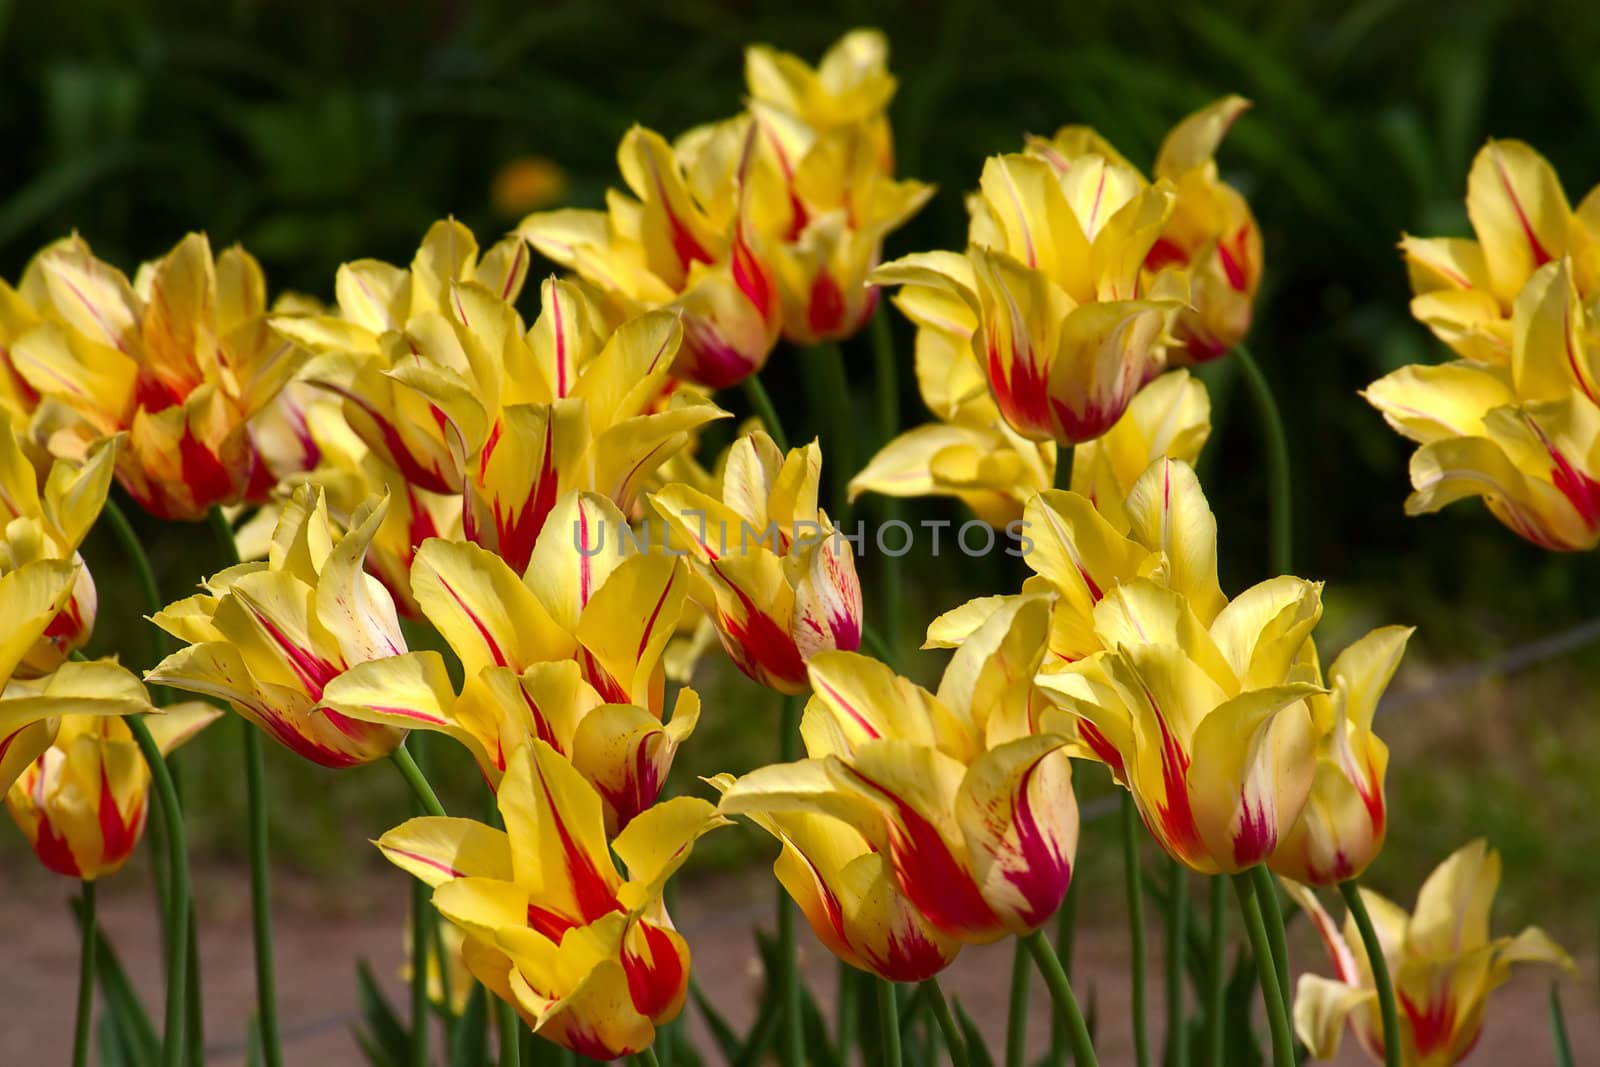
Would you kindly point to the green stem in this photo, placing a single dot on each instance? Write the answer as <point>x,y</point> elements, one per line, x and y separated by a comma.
<point>80,1036</point>
<point>873,642</point>
<point>793,1047</point>
<point>1271,992</point>
<point>1055,979</point>
<point>1280,486</point>
<point>756,393</point>
<point>1216,972</point>
<point>646,1056</point>
<point>401,758</point>
<point>510,1035</point>
<point>1272,917</point>
<point>420,894</point>
<point>1177,964</point>
<point>888,1022</point>
<point>196,1008</point>
<point>177,930</point>
<point>947,1025</point>
<point>848,1009</point>
<point>1017,1010</point>
<point>829,390</point>
<point>134,550</point>
<point>1379,966</point>
<point>261,894</point>
<point>1133,880</point>
<point>1066,923</point>
<point>886,386</point>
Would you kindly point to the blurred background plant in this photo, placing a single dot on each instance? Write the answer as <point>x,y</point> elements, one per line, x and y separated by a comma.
<point>318,132</point>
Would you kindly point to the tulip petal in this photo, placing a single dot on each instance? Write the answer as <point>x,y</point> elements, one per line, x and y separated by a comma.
<point>1167,511</point>
<point>1321,1009</point>
<point>1518,211</point>
<point>480,606</point>
<point>439,850</point>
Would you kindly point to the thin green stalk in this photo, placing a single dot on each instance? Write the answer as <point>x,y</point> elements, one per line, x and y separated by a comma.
<point>829,390</point>
<point>1055,979</point>
<point>261,894</point>
<point>1281,503</point>
<point>1558,1028</point>
<point>1380,972</point>
<point>1272,917</point>
<point>947,1024</point>
<point>510,1035</point>
<point>420,893</point>
<point>1216,971</point>
<point>886,387</point>
<point>646,1056</point>
<point>1017,1009</point>
<point>1066,923</point>
<point>1177,963</point>
<point>80,1036</point>
<point>888,1022</point>
<point>756,393</point>
<point>1133,878</point>
<point>196,1006</point>
<point>177,948</point>
<point>148,587</point>
<point>875,644</point>
<point>1271,992</point>
<point>793,1033</point>
<point>401,758</point>
<point>848,1009</point>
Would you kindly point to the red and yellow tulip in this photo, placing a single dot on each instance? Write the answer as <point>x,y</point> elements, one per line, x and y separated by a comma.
<point>851,87</point>
<point>1442,960</point>
<point>570,656</point>
<point>178,363</point>
<point>770,569</point>
<point>588,959</point>
<point>50,524</point>
<point>959,823</point>
<point>1341,829</point>
<point>82,803</point>
<point>268,637</point>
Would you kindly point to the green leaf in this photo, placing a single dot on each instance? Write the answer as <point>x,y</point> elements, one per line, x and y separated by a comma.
<point>977,1050</point>
<point>469,1034</point>
<point>136,1033</point>
<point>728,1042</point>
<point>1558,1027</point>
<point>386,1040</point>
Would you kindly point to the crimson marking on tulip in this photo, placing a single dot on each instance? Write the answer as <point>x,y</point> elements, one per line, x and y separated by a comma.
<point>541,727</point>
<point>1177,816</point>
<point>929,876</point>
<point>1023,396</point>
<point>825,305</point>
<point>427,861</point>
<point>1432,1025</point>
<point>913,956</point>
<point>1102,747</point>
<point>656,975</point>
<point>519,266</point>
<point>495,651</point>
<point>516,536</point>
<point>313,671</point>
<point>1044,873</point>
<point>410,467</point>
<point>1257,834</point>
<point>560,330</point>
<point>684,245</point>
<point>208,480</point>
<point>1540,256</point>
<point>751,278</point>
<point>118,836</point>
<point>53,850</point>
<point>848,708</point>
<point>655,613</point>
<point>591,891</point>
<point>1165,253</point>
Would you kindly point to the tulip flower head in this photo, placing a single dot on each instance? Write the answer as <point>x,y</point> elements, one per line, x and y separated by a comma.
<point>1206,725</point>
<point>82,804</point>
<point>178,362</point>
<point>770,569</point>
<point>569,655</point>
<point>923,821</point>
<point>268,637</point>
<point>1441,959</point>
<point>1341,829</point>
<point>50,524</point>
<point>588,958</point>
<point>850,87</point>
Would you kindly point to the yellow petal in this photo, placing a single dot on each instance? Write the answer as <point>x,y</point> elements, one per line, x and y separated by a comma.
<point>480,606</point>
<point>1518,211</point>
<point>1321,1009</point>
<point>440,850</point>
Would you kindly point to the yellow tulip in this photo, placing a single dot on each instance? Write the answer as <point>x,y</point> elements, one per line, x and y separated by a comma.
<point>952,796</point>
<point>588,959</point>
<point>570,656</point>
<point>51,524</point>
<point>1069,326</point>
<point>1523,435</point>
<point>1441,958</point>
<point>18,399</point>
<point>1340,831</point>
<point>179,362</point>
<point>82,803</point>
<point>850,87</point>
<point>681,242</point>
<point>770,569</point>
<point>971,452</point>
<point>268,637</point>
<point>1206,725</point>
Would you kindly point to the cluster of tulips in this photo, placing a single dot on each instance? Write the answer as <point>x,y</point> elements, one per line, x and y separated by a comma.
<point>415,451</point>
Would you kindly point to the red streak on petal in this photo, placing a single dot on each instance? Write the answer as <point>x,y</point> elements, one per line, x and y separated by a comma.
<point>53,850</point>
<point>1232,259</point>
<point>1433,1025</point>
<point>495,651</point>
<point>1177,817</point>
<point>655,614</point>
<point>1165,253</point>
<point>849,709</point>
<point>751,277</point>
<point>313,671</point>
<point>759,646</point>
<point>541,728</point>
<point>118,836</point>
<point>1540,256</point>
<point>656,978</point>
<point>1023,397</point>
<point>1101,747</point>
<point>562,369</point>
<point>208,480</point>
<point>429,861</point>
<point>913,956</point>
<point>825,305</point>
<point>590,889</point>
<point>1257,835</point>
<point>1045,873</point>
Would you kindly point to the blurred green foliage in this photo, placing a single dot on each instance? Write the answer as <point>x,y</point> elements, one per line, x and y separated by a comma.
<point>317,131</point>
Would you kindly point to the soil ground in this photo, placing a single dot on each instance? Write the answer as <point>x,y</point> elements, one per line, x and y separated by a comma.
<point>323,931</point>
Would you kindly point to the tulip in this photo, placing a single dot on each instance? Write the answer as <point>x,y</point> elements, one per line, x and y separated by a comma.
<point>1211,235</point>
<point>1069,326</point>
<point>268,637</point>
<point>51,525</point>
<point>682,243</point>
<point>1341,829</point>
<point>18,399</point>
<point>82,803</point>
<point>418,385</point>
<point>1441,957</point>
<point>588,959</point>
<point>771,571</point>
<point>1162,531</point>
<point>1525,436</point>
<point>527,677</point>
<point>971,812</point>
<point>1206,725</point>
<point>179,362</point>
<point>970,452</point>
<point>851,87</point>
